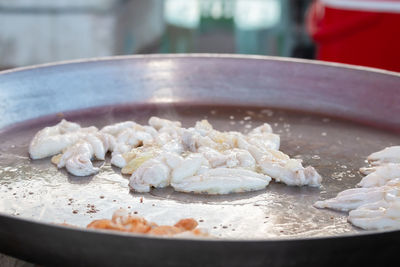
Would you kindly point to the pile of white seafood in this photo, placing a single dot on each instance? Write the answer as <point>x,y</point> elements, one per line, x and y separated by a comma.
<point>198,159</point>
<point>375,204</point>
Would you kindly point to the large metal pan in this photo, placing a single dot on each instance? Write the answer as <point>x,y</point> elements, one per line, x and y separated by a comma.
<point>330,115</point>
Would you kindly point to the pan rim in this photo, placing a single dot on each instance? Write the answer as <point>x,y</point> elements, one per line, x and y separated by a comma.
<point>204,55</point>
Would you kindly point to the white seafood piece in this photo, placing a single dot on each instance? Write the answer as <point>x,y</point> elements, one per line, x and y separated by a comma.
<point>193,140</point>
<point>173,146</point>
<point>164,153</point>
<point>117,158</point>
<point>52,140</point>
<point>263,137</point>
<point>380,175</point>
<point>153,173</point>
<point>290,171</point>
<point>264,140</point>
<point>170,168</point>
<point>134,137</point>
<point>281,167</point>
<point>353,198</point>
<point>203,127</point>
<point>262,129</point>
<point>117,128</point>
<point>378,215</point>
<point>158,123</point>
<point>127,139</point>
<point>367,170</point>
<point>229,158</point>
<point>222,181</point>
<point>387,155</point>
<point>101,143</point>
<point>77,159</point>
<point>188,167</point>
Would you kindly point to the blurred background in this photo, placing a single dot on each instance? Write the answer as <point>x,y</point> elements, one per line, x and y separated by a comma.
<point>362,32</point>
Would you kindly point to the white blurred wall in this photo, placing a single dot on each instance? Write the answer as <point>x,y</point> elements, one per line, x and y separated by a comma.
<point>39,31</point>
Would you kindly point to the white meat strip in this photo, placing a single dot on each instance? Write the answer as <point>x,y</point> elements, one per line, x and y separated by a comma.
<point>203,135</point>
<point>263,137</point>
<point>52,140</point>
<point>193,174</point>
<point>188,167</point>
<point>377,216</point>
<point>116,128</point>
<point>77,159</point>
<point>101,143</point>
<point>128,135</point>
<point>164,153</point>
<point>281,167</point>
<point>353,198</point>
<point>387,155</point>
<point>380,175</point>
<point>222,181</point>
<point>154,172</point>
<point>229,158</point>
<point>158,123</point>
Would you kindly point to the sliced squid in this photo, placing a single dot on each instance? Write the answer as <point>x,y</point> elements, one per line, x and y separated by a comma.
<point>52,140</point>
<point>351,199</point>
<point>263,137</point>
<point>387,155</point>
<point>376,204</point>
<point>229,158</point>
<point>152,173</point>
<point>193,174</point>
<point>380,175</point>
<point>281,167</point>
<point>199,159</point>
<point>222,181</point>
<point>77,159</point>
<point>379,215</point>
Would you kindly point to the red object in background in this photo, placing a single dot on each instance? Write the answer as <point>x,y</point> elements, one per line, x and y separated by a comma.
<point>361,37</point>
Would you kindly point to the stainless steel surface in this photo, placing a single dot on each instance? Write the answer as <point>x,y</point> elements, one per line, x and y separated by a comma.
<point>330,116</point>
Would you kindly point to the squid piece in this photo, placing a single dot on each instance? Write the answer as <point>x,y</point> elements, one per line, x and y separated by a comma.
<point>52,140</point>
<point>379,215</point>
<point>281,167</point>
<point>222,181</point>
<point>153,172</point>
<point>197,159</point>
<point>193,174</point>
<point>77,159</point>
<point>229,158</point>
<point>263,137</point>
<point>351,199</point>
<point>380,175</point>
<point>158,123</point>
<point>387,155</point>
<point>117,128</point>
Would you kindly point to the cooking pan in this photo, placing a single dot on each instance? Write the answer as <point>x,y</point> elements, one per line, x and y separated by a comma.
<point>329,115</point>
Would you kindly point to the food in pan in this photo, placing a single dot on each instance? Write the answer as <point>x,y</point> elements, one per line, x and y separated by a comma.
<point>379,175</point>
<point>125,222</point>
<point>387,155</point>
<point>198,159</point>
<point>376,204</point>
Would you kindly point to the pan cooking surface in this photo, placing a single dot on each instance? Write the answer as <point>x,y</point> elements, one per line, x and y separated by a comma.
<point>336,148</point>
